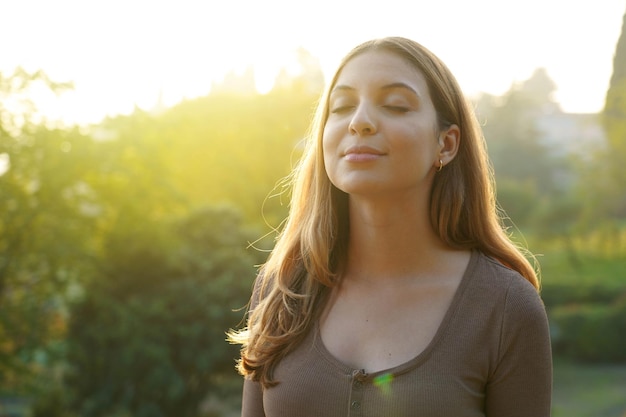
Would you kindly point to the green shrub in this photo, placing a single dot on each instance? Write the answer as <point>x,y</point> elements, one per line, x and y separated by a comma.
<point>559,295</point>
<point>590,332</point>
<point>147,339</point>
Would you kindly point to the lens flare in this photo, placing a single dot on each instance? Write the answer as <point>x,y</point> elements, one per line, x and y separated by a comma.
<point>383,382</point>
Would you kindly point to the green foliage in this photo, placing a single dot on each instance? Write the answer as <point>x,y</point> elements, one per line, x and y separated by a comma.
<point>559,215</point>
<point>619,58</point>
<point>614,116</point>
<point>87,215</point>
<point>513,137</point>
<point>614,155</point>
<point>584,390</point>
<point>591,333</point>
<point>234,148</point>
<point>132,178</point>
<point>526,171</point>
<point>120,231</point>
<point>518,199</point>
<point>586,299</point>
<point>563,295</point>
<point>148,336</point>
<point>599,260</point>
<point>513,141</point>
<point>44,241</point>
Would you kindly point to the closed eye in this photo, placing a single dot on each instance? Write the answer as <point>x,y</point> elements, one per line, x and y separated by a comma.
<point>397,109</point>
<point>341,109</point>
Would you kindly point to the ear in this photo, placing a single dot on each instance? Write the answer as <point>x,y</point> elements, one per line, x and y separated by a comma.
<point>449,140</point>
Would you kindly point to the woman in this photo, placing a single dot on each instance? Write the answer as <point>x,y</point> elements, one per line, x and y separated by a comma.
<point>393,289</point>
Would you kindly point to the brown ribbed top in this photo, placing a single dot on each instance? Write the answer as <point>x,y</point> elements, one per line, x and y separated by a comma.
<point>490,357</point>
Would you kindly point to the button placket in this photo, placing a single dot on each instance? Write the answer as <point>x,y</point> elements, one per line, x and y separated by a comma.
<point>356,393</point>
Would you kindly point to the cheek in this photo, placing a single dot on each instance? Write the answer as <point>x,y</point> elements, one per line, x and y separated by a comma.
<point>328,156</point>
<point>329,144</point>
<point>416,137</point>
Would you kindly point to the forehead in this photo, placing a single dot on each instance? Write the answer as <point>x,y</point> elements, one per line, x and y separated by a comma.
<point>379,67</point>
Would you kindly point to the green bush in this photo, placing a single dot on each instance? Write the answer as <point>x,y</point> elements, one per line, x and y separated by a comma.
<point>147,339</point>
<point>590,332</point>
<point>559,295</point>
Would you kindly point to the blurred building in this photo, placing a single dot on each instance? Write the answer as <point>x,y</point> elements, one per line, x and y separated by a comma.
<point>577,134</point>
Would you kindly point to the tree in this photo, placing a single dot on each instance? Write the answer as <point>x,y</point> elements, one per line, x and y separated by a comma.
<point>522,164</point>
<point>614,116</point>
<point>148,338</point>
<point>44,227</point>
<point>540,88</point>
<point>229,148</point>
<point>87,224</point>
<point>513,135</point>
<point>62,195</point>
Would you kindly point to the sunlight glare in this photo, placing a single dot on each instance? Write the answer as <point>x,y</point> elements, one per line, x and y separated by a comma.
<point>264,77</point>
<point>5,163</point>
<point>178,51</point>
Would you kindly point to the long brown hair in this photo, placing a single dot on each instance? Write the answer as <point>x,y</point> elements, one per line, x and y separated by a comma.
<point>293,284</point>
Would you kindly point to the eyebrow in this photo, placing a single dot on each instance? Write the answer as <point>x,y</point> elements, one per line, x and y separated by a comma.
<point>390,86</point>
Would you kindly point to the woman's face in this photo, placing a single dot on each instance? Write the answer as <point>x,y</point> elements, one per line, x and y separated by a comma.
<point>381,132</point>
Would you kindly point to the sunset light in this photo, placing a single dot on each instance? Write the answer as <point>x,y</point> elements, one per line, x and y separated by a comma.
<point>188,228</point>
<point>123,54</point>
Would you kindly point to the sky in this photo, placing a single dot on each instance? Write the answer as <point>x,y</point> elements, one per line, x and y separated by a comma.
<point>125,53</point>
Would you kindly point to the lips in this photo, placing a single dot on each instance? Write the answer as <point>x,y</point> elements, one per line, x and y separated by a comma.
<point>362,149</point>
<point>362,153</point>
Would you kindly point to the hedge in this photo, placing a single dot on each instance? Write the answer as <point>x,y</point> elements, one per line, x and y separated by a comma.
<point>590,332</point>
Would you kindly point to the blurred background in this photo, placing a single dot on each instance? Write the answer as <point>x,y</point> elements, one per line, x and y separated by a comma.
<point>142,146</point>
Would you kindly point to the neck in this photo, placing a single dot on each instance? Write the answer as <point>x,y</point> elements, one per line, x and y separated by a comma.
<point>391,240</point>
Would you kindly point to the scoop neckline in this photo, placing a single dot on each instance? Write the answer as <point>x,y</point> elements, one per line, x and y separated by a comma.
<point>424,355</point>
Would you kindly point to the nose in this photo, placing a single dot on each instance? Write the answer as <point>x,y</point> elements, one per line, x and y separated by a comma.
<point>362,122</point>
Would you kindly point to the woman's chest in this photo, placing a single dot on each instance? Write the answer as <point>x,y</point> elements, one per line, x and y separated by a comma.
<point>313,383</point>
<point>382,330</point>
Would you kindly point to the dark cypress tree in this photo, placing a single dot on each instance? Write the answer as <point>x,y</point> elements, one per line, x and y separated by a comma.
<point>614,120</point>
<point>619,59</point>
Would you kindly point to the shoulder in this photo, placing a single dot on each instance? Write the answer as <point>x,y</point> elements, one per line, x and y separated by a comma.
<point>259,291</point>
<point>507,287</point>
<point>519,347</point>
<point>491,272</point>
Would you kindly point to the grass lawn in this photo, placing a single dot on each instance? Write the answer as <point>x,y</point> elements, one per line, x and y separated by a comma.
<point>589,390</point>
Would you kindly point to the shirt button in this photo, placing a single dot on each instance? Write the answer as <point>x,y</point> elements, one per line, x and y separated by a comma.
<point>355,405</point>
<point>358,384</point>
